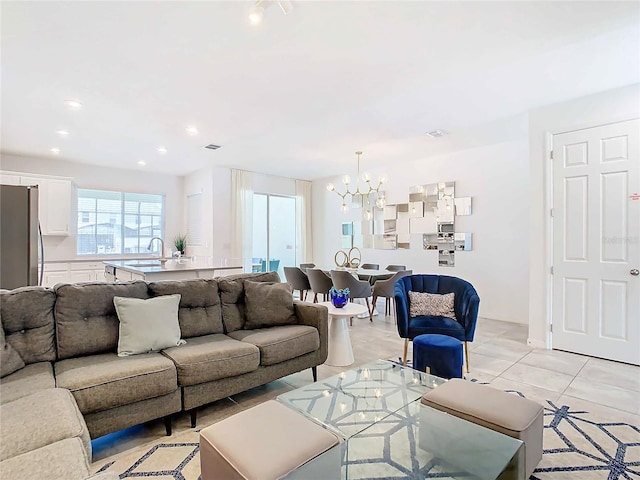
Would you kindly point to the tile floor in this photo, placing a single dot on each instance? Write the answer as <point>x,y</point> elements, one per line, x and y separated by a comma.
<point>499,355</point>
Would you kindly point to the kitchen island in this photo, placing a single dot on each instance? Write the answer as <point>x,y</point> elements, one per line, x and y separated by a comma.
<point>172,269</point>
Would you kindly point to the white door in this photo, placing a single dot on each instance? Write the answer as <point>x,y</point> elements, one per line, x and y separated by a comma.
<point>596,242</point>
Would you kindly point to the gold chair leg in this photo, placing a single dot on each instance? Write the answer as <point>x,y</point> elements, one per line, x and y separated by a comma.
<point>404,354</point>
<point>370,310</point>
<point>466,355</point>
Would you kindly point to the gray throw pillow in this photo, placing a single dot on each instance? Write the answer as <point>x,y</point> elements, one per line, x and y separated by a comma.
<point>268,304</point>
<point>432,304</point>
<point>147,325</point>
<point>10,359</point>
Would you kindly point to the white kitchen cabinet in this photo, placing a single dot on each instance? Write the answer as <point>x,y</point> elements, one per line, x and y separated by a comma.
<point>9,179</point>
<point>81,276</point>
<point>86,272</point>
<point>57,207</point>
<point>54,200</point>
<point>55,273</point>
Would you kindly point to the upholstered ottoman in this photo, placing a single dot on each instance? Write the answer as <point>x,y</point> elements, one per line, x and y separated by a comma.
<point>441,353</point>
<point>492,408</point>
<point>267,442</point>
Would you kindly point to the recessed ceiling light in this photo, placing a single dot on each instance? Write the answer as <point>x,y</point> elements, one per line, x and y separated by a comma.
<point>161,150</point>
<point>437,133</point>
<point>62,132</point>
<point>191,130</point>
<point>73,104</point>
<point>142,163</point>
<point>54,150</point>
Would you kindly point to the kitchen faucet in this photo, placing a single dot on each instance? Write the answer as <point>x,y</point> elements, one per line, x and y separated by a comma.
<point>161,247</point>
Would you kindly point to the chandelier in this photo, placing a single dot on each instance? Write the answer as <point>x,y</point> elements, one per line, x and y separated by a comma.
<point>367,195</point>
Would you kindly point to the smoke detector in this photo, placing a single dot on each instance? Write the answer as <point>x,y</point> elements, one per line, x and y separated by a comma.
<point>437,133</point>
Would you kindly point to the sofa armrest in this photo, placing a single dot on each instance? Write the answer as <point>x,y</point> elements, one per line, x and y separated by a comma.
<point>316,316</point>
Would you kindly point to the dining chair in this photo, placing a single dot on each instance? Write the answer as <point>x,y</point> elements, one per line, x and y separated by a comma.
<point>370,266</point>
<point>396,268</point>
<point>298,280</point>
<point>305,266</point>
<point>466,304</point>
<point>357,288</point>
<point>320,283</point>
<point>386,289</point>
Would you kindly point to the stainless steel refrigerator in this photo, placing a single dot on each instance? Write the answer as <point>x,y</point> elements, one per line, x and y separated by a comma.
<point>21,249</point>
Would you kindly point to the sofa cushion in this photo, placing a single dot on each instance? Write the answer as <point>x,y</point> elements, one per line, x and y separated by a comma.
<point>60,460</point>
<point>211,357</point>
<point>147,325</point>
<point>200,311</point>
<point>101,382</point>
<point>281,343</point>
<point>268,304</point>
<point>86,320</point>
<point>10,359</point>
<point>31,379</point>
<point>232,297</point>
<point>27,319</point>
<point>39,419</point>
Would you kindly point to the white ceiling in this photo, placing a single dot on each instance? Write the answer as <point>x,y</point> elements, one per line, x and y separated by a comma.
<point>297,95</point>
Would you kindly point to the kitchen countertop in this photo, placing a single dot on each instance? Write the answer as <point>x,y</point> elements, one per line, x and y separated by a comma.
<point>153,266</point>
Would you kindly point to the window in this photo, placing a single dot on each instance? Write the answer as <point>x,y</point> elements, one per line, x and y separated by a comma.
<point>274,233</point>
<point>118,222</point>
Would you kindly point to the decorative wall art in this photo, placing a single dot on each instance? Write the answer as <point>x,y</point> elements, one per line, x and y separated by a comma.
<point>430,211</point>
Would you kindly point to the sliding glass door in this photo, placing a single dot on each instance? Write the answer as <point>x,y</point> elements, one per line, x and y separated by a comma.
<point>274,233</point>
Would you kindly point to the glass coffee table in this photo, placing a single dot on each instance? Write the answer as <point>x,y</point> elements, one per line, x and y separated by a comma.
<point>389,434</point>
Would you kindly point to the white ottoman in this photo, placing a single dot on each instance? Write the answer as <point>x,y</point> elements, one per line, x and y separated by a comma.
<point>268,442</point>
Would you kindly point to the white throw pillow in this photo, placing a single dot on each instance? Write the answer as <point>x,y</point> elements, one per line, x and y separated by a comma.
<point>147,325</point>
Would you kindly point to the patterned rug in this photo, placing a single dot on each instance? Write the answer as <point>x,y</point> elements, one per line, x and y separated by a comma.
<point>578,446</point>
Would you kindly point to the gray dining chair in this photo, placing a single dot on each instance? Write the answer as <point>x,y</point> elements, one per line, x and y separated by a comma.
<point>357,288</point>
<point>320,283</point>
<point>396,268</point>
<point>298,280</point>
<point>305,266</point>
<point>385,288</point>
<point>370,266</point>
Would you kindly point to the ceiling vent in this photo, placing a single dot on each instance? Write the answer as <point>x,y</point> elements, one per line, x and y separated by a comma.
<point>211,146</point>
<point>437,133</point>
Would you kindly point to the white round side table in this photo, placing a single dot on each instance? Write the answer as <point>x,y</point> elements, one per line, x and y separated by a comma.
<point>340,351</point>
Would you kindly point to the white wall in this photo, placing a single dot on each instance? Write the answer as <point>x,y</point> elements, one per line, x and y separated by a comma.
<point>214,184</point>
<point>497,178</point>
<point>102,178</point>
<point>590,111</point>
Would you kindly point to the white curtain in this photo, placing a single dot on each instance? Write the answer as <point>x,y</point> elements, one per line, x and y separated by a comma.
<point>304,239</point>
<point>242,211</point>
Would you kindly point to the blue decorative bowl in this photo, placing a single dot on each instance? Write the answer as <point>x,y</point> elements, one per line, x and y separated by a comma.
<point>339,297</point>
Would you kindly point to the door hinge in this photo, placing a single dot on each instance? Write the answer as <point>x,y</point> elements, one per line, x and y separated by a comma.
<point>551,327</point>
<point>551,212</point>
<point>551,270</point>
<point>551,154</point>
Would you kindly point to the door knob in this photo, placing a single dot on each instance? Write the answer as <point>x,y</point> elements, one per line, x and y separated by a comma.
<point>635,272</point>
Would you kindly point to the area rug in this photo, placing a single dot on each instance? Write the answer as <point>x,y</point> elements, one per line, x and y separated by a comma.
<point>578,446</point>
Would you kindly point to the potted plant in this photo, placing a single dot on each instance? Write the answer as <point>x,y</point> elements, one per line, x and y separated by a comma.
<point>180,242</point>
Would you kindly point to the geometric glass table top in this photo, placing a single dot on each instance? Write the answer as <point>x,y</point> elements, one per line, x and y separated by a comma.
<point>356,399</point>
<point>389,434</point>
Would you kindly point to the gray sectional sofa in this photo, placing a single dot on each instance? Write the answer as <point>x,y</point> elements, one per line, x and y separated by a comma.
<point>68,336</point>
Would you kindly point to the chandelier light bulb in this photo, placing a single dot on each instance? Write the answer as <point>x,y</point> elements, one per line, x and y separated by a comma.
<point>367,215</point>
<point>346,179</point>
<point>331,187</point>
<point>380,202</point>
<point>366,177</point>
<point>344,208</point>
<point>256,15</point>
<point>382,179</point>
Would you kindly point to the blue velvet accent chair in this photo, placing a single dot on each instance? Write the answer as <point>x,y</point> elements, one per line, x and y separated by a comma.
<point>466,303</point>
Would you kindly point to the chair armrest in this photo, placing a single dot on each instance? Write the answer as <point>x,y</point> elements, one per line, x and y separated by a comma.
<point>470,303</point>
<point>317,316</point>
<point>402,310</point>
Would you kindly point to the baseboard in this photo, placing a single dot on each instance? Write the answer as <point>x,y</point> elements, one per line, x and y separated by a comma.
<point>535,343</point>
